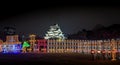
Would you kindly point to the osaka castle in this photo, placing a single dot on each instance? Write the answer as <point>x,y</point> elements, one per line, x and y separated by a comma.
<point>54,33</point>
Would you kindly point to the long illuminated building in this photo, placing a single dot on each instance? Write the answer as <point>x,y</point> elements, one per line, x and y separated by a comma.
<point>1,42</point>
<point>12,45</point>
<point>80,46</point>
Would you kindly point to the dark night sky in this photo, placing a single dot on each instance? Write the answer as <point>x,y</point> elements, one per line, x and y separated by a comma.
<point>71,17</point>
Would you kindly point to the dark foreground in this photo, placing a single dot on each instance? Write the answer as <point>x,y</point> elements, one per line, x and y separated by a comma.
<point>52,59</point>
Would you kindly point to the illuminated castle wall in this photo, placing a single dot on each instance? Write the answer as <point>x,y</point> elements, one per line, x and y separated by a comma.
<point>76,46</point>
<point>80,46</point>
<point>12,44</point>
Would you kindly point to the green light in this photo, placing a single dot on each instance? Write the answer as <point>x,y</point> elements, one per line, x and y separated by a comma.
<point>26,44</point>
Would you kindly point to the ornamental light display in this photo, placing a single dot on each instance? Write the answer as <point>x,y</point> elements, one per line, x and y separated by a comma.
<point>1,42</point>
<point>11,45</point>
<point>25,46</point>
<point>54,33</point>
<point>32,41</point>
<point>114,50</point>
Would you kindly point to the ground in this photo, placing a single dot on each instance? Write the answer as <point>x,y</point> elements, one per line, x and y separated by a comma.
<point>53,59</point>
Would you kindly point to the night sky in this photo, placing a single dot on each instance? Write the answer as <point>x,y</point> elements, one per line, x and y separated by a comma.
<point>71,17</point>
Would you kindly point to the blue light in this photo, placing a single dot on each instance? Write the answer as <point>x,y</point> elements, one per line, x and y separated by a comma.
<point>17,48</point>
<point>12,48</point>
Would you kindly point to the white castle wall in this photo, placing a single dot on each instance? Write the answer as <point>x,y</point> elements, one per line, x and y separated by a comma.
<point>80,46</point>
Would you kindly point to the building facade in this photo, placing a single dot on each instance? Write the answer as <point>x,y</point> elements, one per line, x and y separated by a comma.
<point>12,44</point>
<point>80,46</point>
<point>42,45</point>
<point>32,41</point>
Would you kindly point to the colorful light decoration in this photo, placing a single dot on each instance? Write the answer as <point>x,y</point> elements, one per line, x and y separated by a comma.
<point>25,44</point>
<point>0,48</point>
<point>114,50</point>
<point>32,42</point>
<point>1,42</point>
<point>12,48</point>
<point>12,44</point>
<point>17,48</point>
<point>42,45</point>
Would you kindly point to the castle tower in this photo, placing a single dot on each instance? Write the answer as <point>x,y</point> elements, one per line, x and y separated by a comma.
<point>54,33</point>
